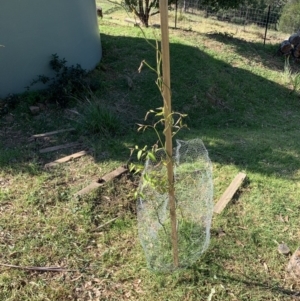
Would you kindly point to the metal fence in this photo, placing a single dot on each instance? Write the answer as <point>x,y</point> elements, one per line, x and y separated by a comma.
<point>192,14</point>
<point>268,17</point>
<point>264,19</point>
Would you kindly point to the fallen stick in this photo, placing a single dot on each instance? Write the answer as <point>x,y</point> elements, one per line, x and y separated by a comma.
<point>66,159</point>
<point>229,192</point>
<point>105,224</point>
<point>51,133</point>
<point>58,147</point>
<point>43,269</point>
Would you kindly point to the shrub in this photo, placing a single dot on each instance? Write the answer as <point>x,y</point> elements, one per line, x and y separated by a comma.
<point>68,81</point>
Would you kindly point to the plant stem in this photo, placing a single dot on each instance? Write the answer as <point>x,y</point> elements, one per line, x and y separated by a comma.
<point>166,93</point>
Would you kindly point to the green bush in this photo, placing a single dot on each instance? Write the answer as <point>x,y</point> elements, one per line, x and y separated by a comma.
<point>68,81</point>
<point>290,18</point>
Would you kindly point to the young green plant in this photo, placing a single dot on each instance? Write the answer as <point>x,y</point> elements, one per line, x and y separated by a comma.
<point>172,122</point>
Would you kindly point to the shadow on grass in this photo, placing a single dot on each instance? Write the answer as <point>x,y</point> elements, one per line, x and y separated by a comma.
<point>228,274</point>
<point>267,54</point>
<point>261,285</point>
<point>244,119</point>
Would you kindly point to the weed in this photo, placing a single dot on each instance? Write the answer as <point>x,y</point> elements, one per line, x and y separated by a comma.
<point>291,78</point>
<point>98,118</point>
<point>102,120</point>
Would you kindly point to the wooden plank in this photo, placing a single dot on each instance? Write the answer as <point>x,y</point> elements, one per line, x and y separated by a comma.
<point>52,133</point>
<point>66,159</point>
<point>115,173</point>
<point>58,147</point>
<point>229,192</point>
<point>88,188</point>
<point>108,177</point>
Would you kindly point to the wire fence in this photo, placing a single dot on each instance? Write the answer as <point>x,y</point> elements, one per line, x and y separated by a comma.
<point>268,17</point>
<point>192,15</point>
<point>263,19</point>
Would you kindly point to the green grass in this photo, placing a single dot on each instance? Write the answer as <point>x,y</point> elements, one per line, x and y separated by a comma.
<point>238,102</point>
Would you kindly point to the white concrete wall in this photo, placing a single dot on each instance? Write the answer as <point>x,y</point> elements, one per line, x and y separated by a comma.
<point>32,30</point>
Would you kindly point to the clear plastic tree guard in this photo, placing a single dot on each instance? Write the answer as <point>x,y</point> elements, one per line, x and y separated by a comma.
<point>194,207</point>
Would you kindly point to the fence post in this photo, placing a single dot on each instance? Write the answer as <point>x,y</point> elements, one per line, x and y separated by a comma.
<point>267,24</point>
<point>246,18</point>
<point>176,8</point>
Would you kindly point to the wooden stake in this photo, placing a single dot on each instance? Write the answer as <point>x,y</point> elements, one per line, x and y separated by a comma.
<point>229,192</point>
<point>166,93</point>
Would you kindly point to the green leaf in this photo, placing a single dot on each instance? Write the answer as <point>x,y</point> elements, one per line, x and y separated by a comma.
<point>151,156</point>
<point>131,167</point>
<point>139,154</point>
<point>146,178</point>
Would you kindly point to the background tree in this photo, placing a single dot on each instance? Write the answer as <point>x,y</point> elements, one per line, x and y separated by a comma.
<point>143,9</point>
<point>290,18</point>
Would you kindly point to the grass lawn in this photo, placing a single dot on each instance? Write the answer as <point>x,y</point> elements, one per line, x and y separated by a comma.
<point>239,102</point>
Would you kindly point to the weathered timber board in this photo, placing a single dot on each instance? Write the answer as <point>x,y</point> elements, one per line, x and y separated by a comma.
<point>88,188</point>
<point>66,159</point>
<point>58,147</point>
<point>108,177</point>
<point>115,173</point>
<point>229,192</point>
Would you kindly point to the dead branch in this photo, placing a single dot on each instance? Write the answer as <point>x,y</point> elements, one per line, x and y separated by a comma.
<point>42,269</point>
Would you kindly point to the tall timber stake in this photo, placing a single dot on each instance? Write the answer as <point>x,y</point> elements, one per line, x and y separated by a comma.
<point>166,93</point>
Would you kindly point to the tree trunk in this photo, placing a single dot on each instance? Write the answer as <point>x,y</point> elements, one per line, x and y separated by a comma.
<point>144,12</point>
<point>147,10</point>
